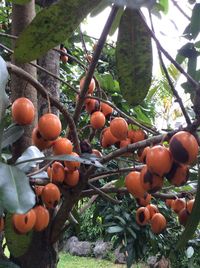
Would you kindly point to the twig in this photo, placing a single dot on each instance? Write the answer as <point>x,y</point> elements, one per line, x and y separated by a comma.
<point>174,91</point>
<point>180,9</point>
<point>93,63</point>
<point>39,87</point>
<point>104,195</point>
<point>169,57</point>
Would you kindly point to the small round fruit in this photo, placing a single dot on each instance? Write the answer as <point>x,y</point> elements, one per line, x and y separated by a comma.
<point>51,195</point>
<point>107,139</point>
<point>72,178</point>
<point>142,216</point>
<point>23,111</point>
<point>72,165</point>
<point>106,109</point>
<point>144,201</point>
<point>91,85</point>
<point>62,146</point>
<point>153,209</point>
<point>150,182</point>
<point>142,154</point>
<point>119,128</point>
<point>56,173</point>
<point>38,140</point>
<point>184,147</point>
<point>64,59</point>
<point>97,120</point>
<point>158,223</point>
<point>133,184</point>
<point>159,160</point>
<point>178,205</point>
<point>178,174</point>
<point>169,202</point>
<point>49,126</point>
<point>189,205</point>
<point>23,223</point>
<point>136,135</point>
<point>183,216</point>
<point>38,190</point>
<point>92,106</point>
<point>42,218</point>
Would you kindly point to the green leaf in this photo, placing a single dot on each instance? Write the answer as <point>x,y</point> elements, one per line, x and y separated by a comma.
<point>114,229</point>
<point>116,21</point>
<point>20,2</point>
<point>16,243</point>
<point>192,222</point>
<point>16,195</point>
<point>11,135</point>
<point>120,219</point>
<point>4,101</point>
<point>133,57</point>
<point>164,4</point>
<point>195,25</point>
<point>50,27</point>
<point>99,8</point>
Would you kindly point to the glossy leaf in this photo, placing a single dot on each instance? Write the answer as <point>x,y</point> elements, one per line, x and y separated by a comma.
<point>4,102</point>
<point>16,243</point>
<point>11,135</point>
<point>16,195</point>
<point>134,57</point>
<point>114,229</point>
<point>195,25</point>
<point>50,27</point>
<point>116,21</point>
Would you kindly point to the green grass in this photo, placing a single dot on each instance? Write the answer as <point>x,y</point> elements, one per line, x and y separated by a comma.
<point>69,261</point>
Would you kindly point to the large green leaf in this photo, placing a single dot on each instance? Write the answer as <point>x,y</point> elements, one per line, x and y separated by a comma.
<point>17,243</point>
<point>16,195</point>
<point>50,27</point>
<point>11,135</point>
<point>195,25</point>
<point>133,57</point>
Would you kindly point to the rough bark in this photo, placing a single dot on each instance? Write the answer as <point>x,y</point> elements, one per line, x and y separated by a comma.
<point>50,62</point>
<point>21,17</point>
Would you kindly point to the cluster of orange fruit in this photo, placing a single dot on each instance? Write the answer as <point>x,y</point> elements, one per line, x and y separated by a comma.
<point>161,162</point>
<point>44,136</point>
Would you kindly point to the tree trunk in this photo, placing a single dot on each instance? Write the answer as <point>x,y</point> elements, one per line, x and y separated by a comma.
<point>22,15</point>
<point>41,253</point>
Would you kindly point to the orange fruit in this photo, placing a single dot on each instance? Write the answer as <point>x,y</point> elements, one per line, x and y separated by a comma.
<point>178,175</point>
<point>136,135</point>
<point>153,209</point>
<point>133,184</point>
<point>106,109</point>
<point>97,120</point>
<point>42,218</point>
<point>62,146</point>
<point>142,216</point>
<point>178,205</point>
<point>119,128</point>
<point>91,85</point>
<point>107,139</point>
<point>49,126</point>
<point>144,201</point>
<point>189,205</point>
<point>38,140</point>
<point>158,223</point>
<point>184,147</point>
<point>71,178</point>
<point>56,172</point>
<point>72,165</point>
<point>23,111</point>
<point>51,195</point>
<point>23,223</point>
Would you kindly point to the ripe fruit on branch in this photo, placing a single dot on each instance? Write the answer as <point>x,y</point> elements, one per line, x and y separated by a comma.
<point>97,120</point>
<point>56,172</point>
<point>49,126</point>
<point>71,178</point>
<point>51,195</point>
<point>159,160</point>
<point>23,111</point>
<point>91,85</point>
<point>64,58</point>
<point>107,139</point>
<point>42,218</point>
<point>142,216</point>
<point>189,205</point>
<point>23,223</point>
<point>169,202</point>
<point>178,205</point>
<point>178,174</point>
<point>106,109</point>
<point>153,209</point>
<point>136,135</point>
<point>150,182</point>
<point>133,184</point>
<point>183,216</point>
<point>62,146</point>
<point>142,153</point>
<point>38,140</point>
<point>72,165</point>
<point>38,190</point>
<point>119,128</point>
<point>158,223</point>
<point>92,106</point>
<point>184,147</point>
<point>144,201</point>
